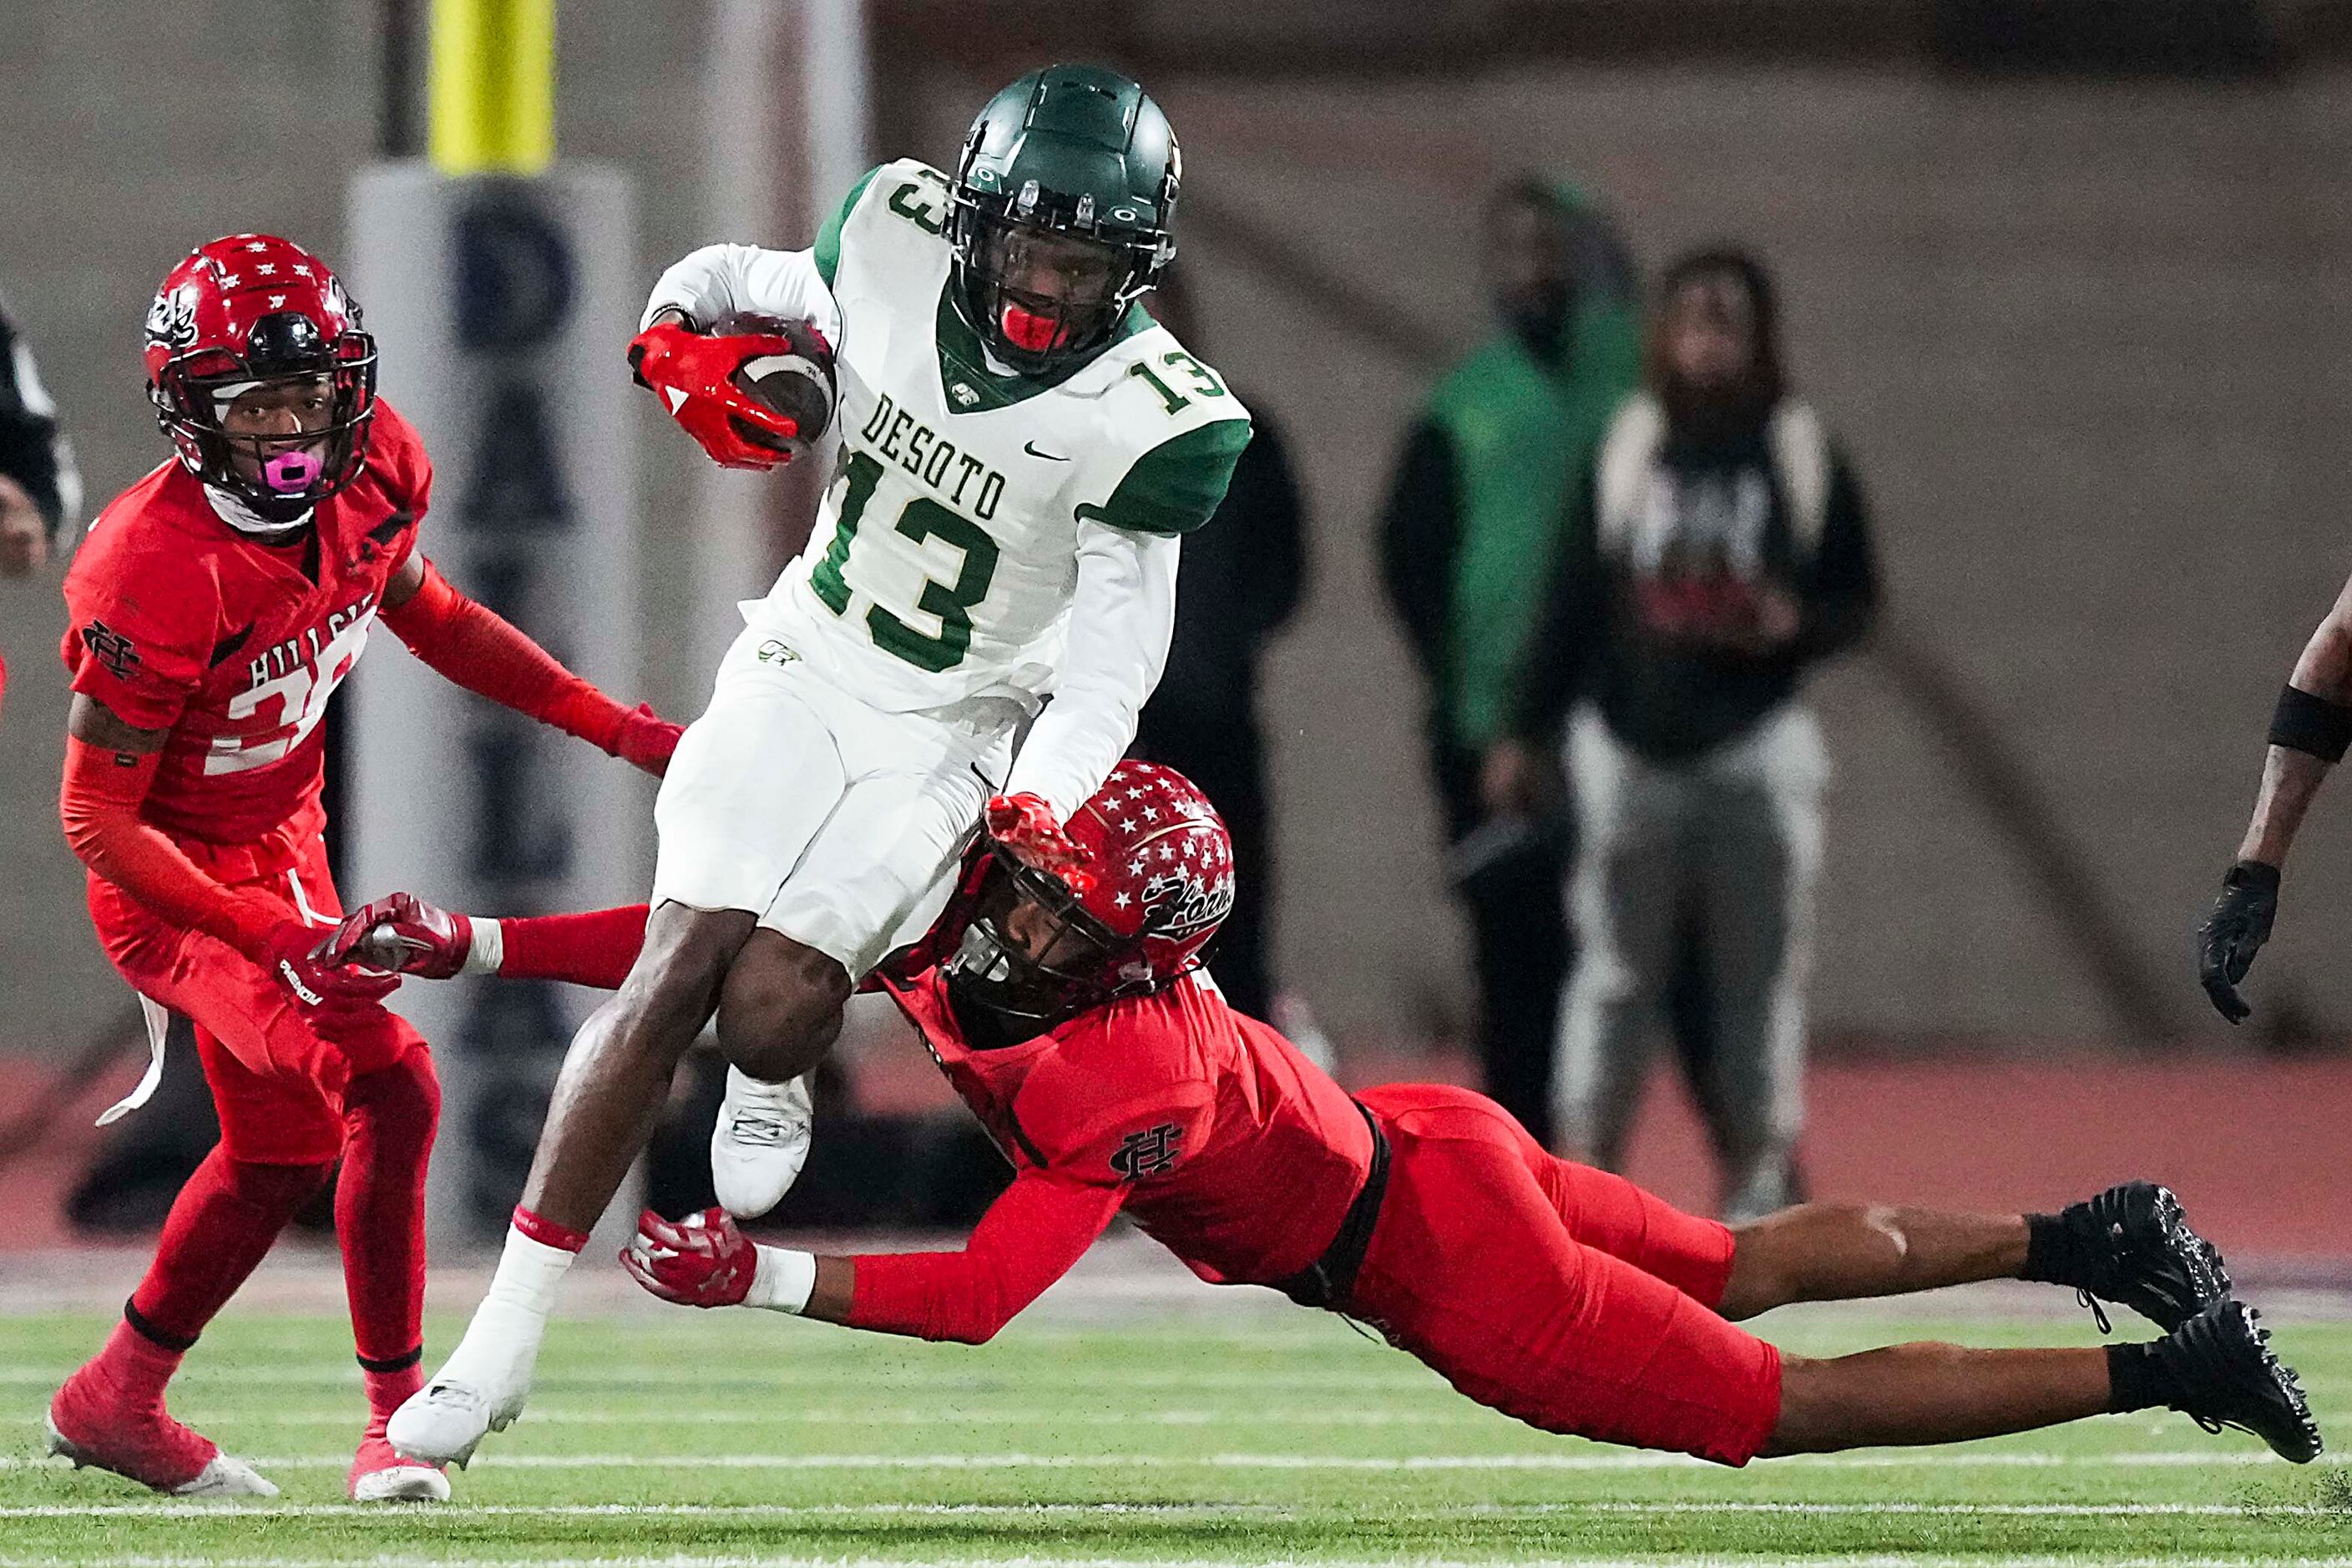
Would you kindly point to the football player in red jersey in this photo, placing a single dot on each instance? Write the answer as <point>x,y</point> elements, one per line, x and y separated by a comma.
<point>1075,1023</point>
<point>214,609</point>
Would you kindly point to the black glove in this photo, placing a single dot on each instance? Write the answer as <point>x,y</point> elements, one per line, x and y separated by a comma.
<point>2235,931</point>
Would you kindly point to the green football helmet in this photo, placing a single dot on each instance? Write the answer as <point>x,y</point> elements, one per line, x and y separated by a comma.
<point>1062,209</point>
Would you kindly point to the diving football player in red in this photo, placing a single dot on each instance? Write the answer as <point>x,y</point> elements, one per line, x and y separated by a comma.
<point>212,612</point>
<point>1072,1020</point>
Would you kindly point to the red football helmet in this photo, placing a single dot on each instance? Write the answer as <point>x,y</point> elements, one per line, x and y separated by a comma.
<point>1161,880</point>
<point>242,312</point>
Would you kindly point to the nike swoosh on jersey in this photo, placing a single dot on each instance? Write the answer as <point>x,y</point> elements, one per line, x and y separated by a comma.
<point>1031,447</point>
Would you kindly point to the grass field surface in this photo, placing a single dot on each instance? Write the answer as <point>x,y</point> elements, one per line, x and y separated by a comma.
<point>705,1440</point>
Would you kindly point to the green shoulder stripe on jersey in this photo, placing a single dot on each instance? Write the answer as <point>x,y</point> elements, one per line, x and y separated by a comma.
<point>1177,485</point>
<point>972,387</point>
<point>828,238</point>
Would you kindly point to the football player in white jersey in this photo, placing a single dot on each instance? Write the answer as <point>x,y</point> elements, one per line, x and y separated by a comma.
<point>1016,451</point>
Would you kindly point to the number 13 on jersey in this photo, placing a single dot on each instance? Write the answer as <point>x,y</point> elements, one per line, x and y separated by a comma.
<point>950,604</point>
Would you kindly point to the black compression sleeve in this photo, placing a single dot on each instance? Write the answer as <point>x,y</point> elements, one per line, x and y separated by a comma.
<point>2303,722</point>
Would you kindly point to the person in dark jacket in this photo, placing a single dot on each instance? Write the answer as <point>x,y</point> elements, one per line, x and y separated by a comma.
<point>1472,525</point>
<point>1718,549</point>
<point>1243,577</point>
<point>40,492</point>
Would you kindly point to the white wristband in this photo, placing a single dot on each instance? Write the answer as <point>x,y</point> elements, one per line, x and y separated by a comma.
<point>488,950</point>
<point>783,1279</point>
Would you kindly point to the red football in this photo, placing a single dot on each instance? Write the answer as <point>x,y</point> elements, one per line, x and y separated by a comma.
<point>797,384</point>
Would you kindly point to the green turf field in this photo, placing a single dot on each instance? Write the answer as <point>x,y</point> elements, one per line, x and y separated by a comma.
<point>710,1439</point>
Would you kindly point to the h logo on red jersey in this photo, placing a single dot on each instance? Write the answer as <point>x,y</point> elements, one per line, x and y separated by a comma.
<point>1148,1153</point>
<point>111,649</point>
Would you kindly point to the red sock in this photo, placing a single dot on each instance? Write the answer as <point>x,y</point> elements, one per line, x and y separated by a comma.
<point>137,1366</point>
<point>388,1119</point>
<point>220,1227</point>
<point>388,1391</point>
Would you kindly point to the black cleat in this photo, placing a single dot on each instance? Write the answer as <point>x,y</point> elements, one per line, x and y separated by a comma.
<point>2132,1245</point>
<point>2224,1373</point>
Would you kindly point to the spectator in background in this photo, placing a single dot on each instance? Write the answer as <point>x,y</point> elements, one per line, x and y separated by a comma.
<point>1472,526</point>
<point>40,493</point>
<point>1716,549</point>
<point>1243,573</point>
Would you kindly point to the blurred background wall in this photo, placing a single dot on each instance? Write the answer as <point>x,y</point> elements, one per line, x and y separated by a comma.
<point>2084,336</point>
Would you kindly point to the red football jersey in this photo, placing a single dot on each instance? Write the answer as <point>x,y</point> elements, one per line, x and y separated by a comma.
<point>1236,1153</point>
<point>174,619</point>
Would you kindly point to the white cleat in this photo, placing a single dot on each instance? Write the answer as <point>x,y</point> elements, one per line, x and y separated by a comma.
<point>380,1473</point>
<point>221,1476</point>
<point>402,1483</point>
<point>444,1421</point>
<point>761,1142</point>
<point>228,1477</point>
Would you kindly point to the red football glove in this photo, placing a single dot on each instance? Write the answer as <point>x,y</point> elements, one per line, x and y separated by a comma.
<point>1025,823</point>
<point>703,1260</point>
<point>401,934</point>
<point>693,376</point>
<point>321,989</point>
<point>646,740</point>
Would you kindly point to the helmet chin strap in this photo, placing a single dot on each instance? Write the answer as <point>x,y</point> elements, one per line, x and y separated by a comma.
<point>235,510</point>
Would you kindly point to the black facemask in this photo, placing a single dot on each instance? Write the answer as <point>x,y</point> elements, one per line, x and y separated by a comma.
<point>994,985</point>
<point>998,995</point>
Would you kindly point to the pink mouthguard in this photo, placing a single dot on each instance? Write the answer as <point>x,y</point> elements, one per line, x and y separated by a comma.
<point>292,473</point>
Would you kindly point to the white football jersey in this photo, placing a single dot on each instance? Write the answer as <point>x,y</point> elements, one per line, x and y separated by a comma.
<point>945,553</point>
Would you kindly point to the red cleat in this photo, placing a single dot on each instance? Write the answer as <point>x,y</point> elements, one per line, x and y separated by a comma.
<point>93,1423</point>
<point>382,1474</point>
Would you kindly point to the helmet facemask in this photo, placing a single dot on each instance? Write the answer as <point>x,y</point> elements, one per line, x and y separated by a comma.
<point>281,427</point>
<point>1043,289</point>
<point>1053,968</point>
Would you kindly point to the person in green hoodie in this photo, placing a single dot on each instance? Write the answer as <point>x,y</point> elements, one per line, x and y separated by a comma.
<point>1468,539</point>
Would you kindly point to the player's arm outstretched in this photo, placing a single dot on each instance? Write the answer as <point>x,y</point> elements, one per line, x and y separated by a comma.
<point>2309,731</point>
<point>476,647</point>
<point>1079,1128</point>
<point>1030,1236</point>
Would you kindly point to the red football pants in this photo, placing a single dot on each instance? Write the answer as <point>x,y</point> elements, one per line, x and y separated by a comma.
<point>280,1084</point>
<point>1554,1293</point>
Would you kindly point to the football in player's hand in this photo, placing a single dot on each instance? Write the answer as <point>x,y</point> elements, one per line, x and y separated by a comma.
<point>797,384</point>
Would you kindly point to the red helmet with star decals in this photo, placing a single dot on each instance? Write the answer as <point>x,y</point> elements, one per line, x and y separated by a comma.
<point>1162,881</point>
<point>248,312</point>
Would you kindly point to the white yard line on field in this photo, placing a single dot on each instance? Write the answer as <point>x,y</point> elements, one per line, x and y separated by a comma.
<point>1997,1459</point>
<point>912,1382</point>
<point>1463,1413</point>
<point>1148,1513</point>
<point>770,1560</point>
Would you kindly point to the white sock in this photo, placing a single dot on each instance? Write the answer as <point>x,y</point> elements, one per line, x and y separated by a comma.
<point>506,1326</point>
<point>488,950</point>
<point>782,1281</point>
